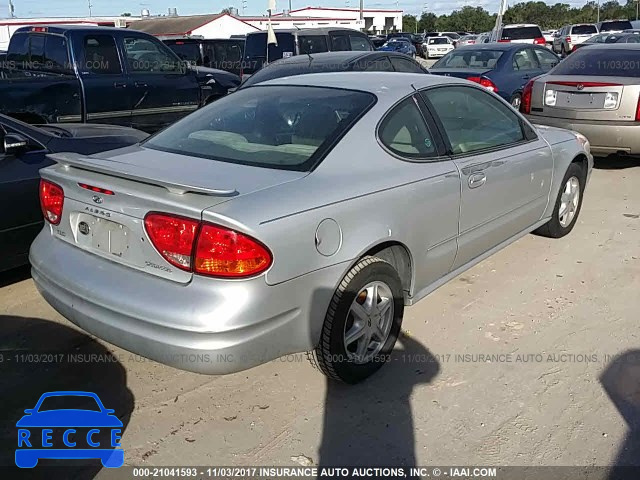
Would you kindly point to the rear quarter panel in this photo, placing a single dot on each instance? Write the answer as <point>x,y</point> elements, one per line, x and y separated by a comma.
<point>32,96</point>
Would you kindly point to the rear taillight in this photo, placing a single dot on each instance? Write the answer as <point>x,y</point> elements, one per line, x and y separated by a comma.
<point>539,41</point>
<point>51,201</point>
<point>638,111</point>
<point>206,249</point>
<point>173,237</point>
<point>485,82</point>
<point>568,39</point>
<point>525,105</point>
<point>222,252</point>
<point>504,40</point>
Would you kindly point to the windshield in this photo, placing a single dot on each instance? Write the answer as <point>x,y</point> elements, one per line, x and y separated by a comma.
<point>614,26</point>
<point>285,127</point>
<point>69,402</point>
<point>438,41</point>
<point>188,51</point>
<point>472,59</point>
<point>521,33</point>
<point>600,62</point>
<point>584,30</point>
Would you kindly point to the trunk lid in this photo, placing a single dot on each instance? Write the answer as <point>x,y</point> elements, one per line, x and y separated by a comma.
<point>108,195</point>
<point>460,72</point>
<point>586,98</point>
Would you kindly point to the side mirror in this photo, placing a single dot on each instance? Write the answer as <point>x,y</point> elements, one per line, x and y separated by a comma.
<point>15,143</point>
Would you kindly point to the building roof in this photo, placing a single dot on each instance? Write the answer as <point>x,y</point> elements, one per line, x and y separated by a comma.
<point>174,25</point>
<point>340,10</point>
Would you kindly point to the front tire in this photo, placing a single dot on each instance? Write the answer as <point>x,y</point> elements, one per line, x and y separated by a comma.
<point>568,204</point>
<point>362,322</point>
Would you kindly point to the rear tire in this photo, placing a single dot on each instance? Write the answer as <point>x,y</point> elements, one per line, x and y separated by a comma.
<point>362,322</point>
<point>567,207</point>
<point>563,51</point>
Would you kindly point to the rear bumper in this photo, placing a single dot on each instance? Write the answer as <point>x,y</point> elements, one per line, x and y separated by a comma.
<point>605,137</point>
<point>208,326</point>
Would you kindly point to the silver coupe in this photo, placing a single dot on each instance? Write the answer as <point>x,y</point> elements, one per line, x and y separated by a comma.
<point>300,214</point>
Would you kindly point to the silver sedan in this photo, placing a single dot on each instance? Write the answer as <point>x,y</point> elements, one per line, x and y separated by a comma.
<point>596,92</point>
<point>300,214</point>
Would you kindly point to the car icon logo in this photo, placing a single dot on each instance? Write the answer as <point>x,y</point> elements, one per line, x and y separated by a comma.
<point>580,86</point>
<point>83,228</point>
<point>97,199</point>
<point>69,425</point>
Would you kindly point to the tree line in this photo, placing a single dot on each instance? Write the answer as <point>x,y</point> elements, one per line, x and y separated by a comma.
<point>548,17</point>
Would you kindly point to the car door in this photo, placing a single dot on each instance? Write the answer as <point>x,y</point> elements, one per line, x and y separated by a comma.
<point>107,90</point>
<point>525,67</point>
<point>412,137</point>
<point>21,219</point>
<point>163,90</point>
<point>505,167</point>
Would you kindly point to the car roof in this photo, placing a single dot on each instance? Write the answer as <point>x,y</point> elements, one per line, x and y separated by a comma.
<point>310,31</point>
<point>616,46</point>
<point>374,82</point>
<point>495,46</point>
<point>325,58</point>
<point>61,29</point>
<point>518,25</point>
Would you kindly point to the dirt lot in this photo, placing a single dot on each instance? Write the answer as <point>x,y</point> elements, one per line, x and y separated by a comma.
<point>512,363</point>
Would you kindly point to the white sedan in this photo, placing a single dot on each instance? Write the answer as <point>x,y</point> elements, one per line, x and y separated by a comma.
<point>435,47</point>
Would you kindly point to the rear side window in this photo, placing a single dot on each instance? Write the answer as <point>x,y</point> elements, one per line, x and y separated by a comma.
<point>473,119</point>
<point>617,25</point>
<point>600,62</point>
<point>405,65</point>
<point>188,51</point>
<point>312,44</point>
<point>284,127</point>
<point>521,33</point>
<point>405,133</point>
<point>339,43</point>
<point>147,56</point>
<point>359,43</point>
<point>584,30</point>
<point>546,59</point>
<point>101,55</point>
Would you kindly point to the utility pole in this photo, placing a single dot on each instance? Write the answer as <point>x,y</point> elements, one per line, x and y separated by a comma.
<point>598,21</point>
<point>90,7</point>
<point>11,9</point>
<point>361,10</point>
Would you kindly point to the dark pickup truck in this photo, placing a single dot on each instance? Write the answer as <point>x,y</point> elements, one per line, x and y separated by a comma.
<point>58,74</point>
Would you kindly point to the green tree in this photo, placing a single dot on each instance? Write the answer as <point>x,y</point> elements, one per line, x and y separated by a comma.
<point>409,23</point>
<point>427,22</point>
<point>126,14</point>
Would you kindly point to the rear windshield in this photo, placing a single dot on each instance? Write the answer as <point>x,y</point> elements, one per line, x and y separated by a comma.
<point>438,41</point>
<point>472,59</point>
<point>44,52</point>
<point>256,46</point>
<point>285,127</point>
<point>617,25</point>
<point>584,30</point>
<point>188,51</point>
<point>592,61</point>
<point>521,33</point>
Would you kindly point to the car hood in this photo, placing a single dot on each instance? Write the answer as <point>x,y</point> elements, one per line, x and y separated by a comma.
<point>69,418</point>
<point>224,78</point>
<point>158,167</point>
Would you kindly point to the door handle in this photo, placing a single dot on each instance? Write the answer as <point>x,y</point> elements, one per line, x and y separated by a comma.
<point>120,84</point>
<point>140,84</point>
<point>477,180</point>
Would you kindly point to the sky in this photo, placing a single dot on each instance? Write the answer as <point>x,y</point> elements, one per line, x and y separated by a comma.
<point>75,8</point>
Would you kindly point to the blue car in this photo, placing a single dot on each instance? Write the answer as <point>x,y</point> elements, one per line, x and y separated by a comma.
<point>400,45</point>
<point>88,431</point>
<point>503,68</point>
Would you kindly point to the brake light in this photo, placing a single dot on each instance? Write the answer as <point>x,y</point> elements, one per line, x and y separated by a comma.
<point>568,39</point>
<point>525,105</point>
<point>96,189</point>
<point>204,248</point>
<point>638,111</point>
<point>539,41</point>
<point>51,201</point>
<point>222,252</point>
<point>179,43</point>
<point>39,29</point>
<point>173,237</point>
<point>504,40</point>
<point>485,82</point>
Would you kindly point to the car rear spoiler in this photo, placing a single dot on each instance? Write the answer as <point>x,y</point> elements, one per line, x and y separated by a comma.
<point>110,167</point>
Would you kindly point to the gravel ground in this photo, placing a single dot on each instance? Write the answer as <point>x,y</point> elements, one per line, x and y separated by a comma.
<point>523,360</point>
